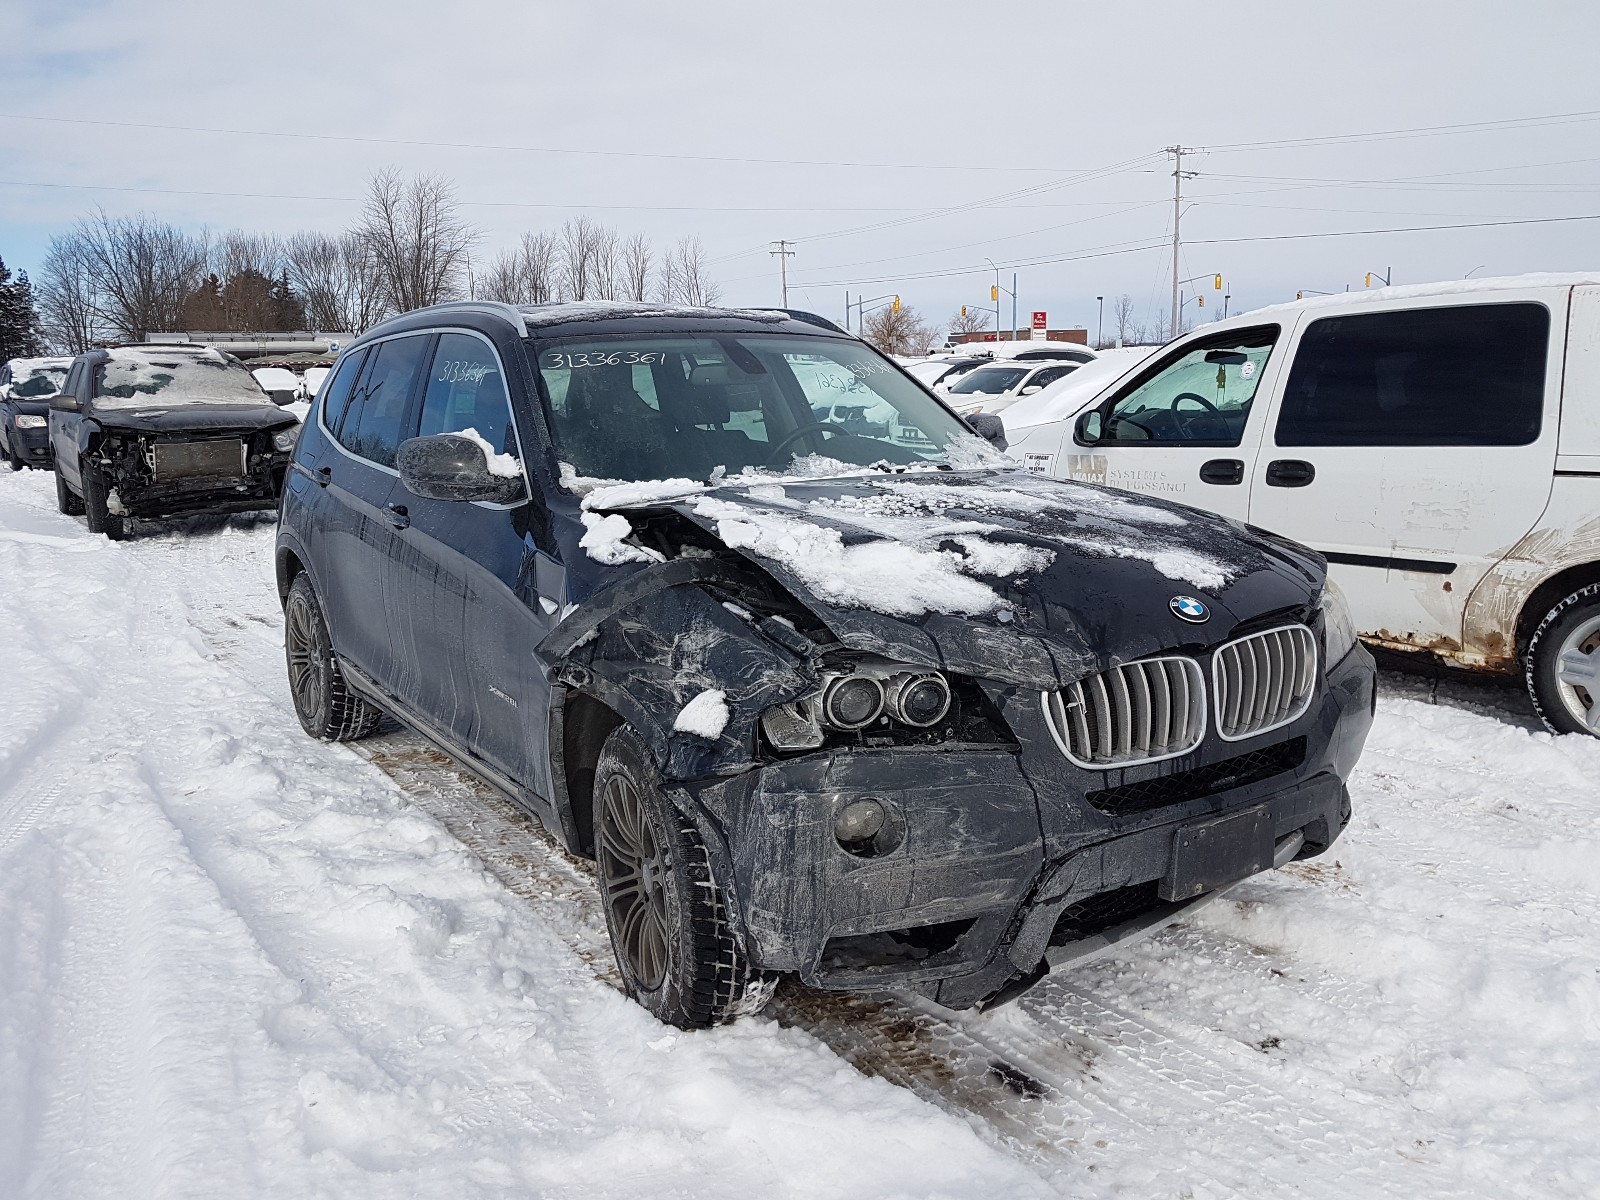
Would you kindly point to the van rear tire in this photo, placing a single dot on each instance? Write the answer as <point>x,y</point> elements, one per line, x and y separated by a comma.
<point>1563,664</point>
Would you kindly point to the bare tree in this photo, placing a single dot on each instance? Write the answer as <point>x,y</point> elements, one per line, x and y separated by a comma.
<point>337,279</point>
<point>968,320</point>
<point>607,263</point>
<point>67,305</point>
<point>140,271</point>
<point>1124,321</point>
<point>415,238</point>
<point>581,249</point>
<point>685,276</point>
<point>637,259</point>
<point>897,331</point>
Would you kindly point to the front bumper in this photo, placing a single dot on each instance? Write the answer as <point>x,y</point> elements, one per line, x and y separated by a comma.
<point>32,446</point>
<point>997,866</point>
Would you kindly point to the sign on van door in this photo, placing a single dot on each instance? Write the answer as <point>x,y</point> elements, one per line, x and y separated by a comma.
<point>1182,429</point>
<point>1414,446</point>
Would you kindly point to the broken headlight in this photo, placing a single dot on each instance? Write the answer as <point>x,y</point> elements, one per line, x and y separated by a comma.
<point>851,700</point>
<point>284,439</point>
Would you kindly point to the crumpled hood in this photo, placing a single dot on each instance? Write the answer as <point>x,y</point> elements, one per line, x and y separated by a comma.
<point>194,418</point>
<point>1000,574</point>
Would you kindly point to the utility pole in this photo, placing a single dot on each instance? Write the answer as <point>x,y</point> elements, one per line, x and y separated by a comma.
<point>1014,308</point>
<point>783,255</point>
<point>1178,176</point>
<point>1100,333</point>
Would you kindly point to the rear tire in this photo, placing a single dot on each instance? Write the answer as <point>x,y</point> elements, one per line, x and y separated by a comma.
<point>669,926</point>
<point>95,498</point>
<point>67,500</point>
<point>323,700</point>
<point>1563,664</point>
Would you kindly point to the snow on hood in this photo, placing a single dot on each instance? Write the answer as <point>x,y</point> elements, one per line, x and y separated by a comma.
<point>1003,574</point>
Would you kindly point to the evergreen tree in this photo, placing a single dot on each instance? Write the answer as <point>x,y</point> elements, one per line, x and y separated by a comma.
<point>19,321</point>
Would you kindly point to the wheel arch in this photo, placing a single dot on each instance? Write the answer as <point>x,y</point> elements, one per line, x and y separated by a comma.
<point>1547,595</point>
<point>580,724</point>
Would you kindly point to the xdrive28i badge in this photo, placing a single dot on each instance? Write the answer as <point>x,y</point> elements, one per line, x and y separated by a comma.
<point>1189,609</point>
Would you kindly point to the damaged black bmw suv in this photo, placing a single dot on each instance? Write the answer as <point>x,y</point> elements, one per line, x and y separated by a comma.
<point>866,704</point>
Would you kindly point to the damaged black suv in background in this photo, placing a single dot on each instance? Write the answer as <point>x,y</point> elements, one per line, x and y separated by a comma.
<point>864,703</point>
<point>157,430</point>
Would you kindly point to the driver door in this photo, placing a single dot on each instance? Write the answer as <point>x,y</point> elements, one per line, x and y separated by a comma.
<point>1185,428</point>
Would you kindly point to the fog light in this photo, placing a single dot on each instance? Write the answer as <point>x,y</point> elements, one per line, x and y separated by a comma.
<point>852,702</point>
<point>858,822</point>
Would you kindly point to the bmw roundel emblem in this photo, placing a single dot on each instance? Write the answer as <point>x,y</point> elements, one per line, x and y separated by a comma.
<point>1189,609</point>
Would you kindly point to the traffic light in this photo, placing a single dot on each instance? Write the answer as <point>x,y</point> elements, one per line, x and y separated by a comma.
<point>1369,278</point>
<point>897,304</point>
<point>963,310</point>
<point>994,292</point>
<point>1219,283</point>
<point>1202,301</point>
<point>1299,295</point>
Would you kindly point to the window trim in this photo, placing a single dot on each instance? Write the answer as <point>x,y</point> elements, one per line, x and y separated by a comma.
<point>511,408</point>
<point>333,438</point>
<point>1161,363</point>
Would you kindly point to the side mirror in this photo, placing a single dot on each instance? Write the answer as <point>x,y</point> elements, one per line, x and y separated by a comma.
<point>1031,389</point>
<point>447,466</point>
<point>990,428</point>
<point>1089,427</point>
<point>283,396</point>
<point>63,402</point>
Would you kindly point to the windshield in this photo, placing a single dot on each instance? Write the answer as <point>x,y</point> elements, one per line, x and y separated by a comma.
<point>141,378</point>
<point>39,383</point>
<point>989,381</point>
<point>663,407</point>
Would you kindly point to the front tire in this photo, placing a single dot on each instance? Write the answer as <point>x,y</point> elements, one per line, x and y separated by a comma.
<point>1563,664</point>
<point>67,501</point>
<point>13,460</point>
<point>323,700</point>
<point>669,926</point>
<point>96,498</point>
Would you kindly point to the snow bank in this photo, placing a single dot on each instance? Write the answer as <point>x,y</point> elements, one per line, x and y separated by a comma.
<point>705,716</point>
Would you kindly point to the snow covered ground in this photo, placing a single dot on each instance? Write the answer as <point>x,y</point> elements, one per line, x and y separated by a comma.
<point>237,962</point>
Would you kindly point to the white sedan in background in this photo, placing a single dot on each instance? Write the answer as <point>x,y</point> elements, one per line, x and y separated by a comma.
<point>996,386</point>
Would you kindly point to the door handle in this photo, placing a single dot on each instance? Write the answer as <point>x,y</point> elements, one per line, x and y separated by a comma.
<point>323,476</point>
<point>1290,472</point>
<point>1222,470</point>
<point>398,517</point>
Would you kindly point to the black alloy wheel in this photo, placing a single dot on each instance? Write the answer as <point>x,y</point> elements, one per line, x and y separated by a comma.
<point>67,501</point>
<point>678,954</point>
<point>323,701</point>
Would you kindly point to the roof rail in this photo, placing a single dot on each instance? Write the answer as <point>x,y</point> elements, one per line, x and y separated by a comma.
<point>810,318</point>
<point>494,308</point>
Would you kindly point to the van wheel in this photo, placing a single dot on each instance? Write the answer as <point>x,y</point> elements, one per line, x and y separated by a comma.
<point>669,927</point>
<point>66,499</point>
<point>100,518</point>
<point>323,700</point>
<point>1563,667</point>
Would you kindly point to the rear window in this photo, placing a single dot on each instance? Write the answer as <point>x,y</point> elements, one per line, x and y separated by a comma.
<point>1468,375</point>
<point>151,378</point>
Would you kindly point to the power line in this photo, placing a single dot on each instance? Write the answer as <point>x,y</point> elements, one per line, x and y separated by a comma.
<point>1291,237</point>
<point>418,142</point>
<point>1568,118</point>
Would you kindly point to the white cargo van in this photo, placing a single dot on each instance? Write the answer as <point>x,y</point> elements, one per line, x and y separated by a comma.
<point>1439,444</point>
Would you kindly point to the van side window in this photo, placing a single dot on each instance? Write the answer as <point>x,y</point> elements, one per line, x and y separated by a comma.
<point>1201,397</point>
<point>1461,376</point>
<point>336,395</point>
<point>375,429</point>
<point>467,391</point>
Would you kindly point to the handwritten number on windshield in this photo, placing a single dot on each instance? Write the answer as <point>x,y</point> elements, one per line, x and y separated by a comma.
<point>599,358</point>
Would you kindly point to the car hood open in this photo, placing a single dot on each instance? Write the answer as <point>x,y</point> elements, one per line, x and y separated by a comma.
<point>194,418</point>
<point>1000,574</point>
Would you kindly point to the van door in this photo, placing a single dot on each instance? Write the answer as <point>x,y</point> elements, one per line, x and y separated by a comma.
<point>1414,446</point>
<point>64,426</point>
<point>1182,428</point>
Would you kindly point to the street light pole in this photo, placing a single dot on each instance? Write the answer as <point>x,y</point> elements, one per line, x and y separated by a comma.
<point>1100,328</point>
